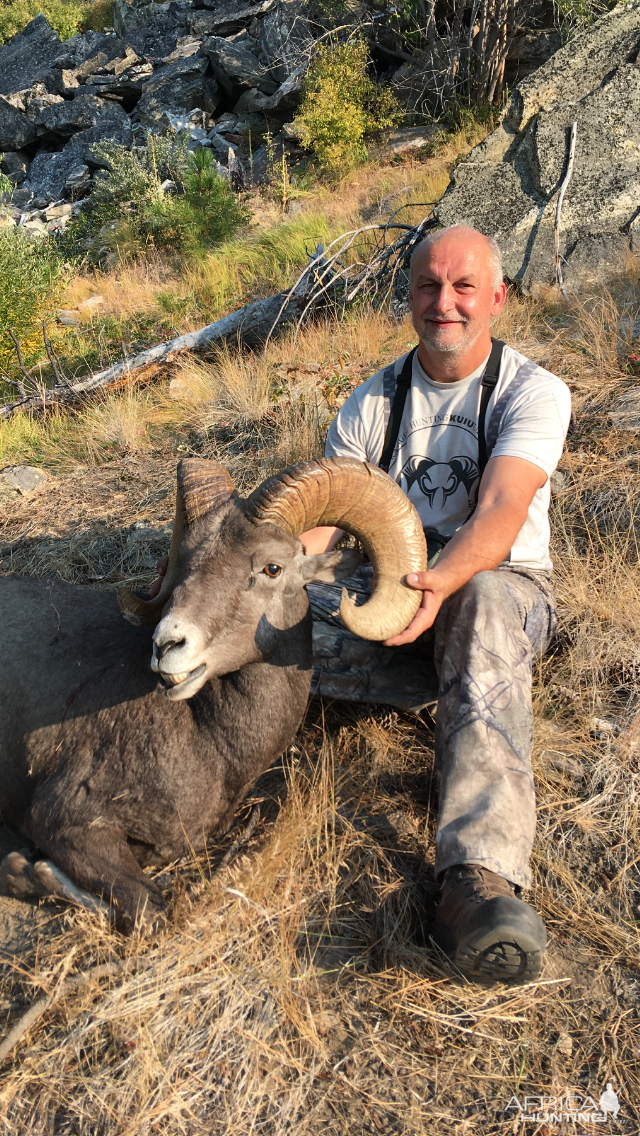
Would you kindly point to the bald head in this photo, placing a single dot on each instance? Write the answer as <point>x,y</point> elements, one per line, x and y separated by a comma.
<point>487,249</point>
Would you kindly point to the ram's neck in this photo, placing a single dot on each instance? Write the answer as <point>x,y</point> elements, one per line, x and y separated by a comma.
<point>252,715</point>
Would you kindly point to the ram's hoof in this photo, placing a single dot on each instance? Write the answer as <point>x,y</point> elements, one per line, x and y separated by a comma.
<point>17,877</point>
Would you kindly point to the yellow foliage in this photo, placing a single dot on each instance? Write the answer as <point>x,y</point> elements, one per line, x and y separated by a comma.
<point>342,105</point>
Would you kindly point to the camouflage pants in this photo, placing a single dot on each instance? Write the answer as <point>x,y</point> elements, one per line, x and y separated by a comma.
<point>476,661</point>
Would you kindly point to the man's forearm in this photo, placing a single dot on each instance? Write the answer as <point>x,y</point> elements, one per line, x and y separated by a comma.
<point>322,539</point>
<point>507,489</point>
<point>482,543</point>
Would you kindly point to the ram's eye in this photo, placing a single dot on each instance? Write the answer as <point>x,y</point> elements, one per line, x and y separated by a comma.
<point>272,570</point>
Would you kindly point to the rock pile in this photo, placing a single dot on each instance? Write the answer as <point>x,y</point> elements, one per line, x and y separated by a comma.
<point>508,185</point>
<point>194,65</point>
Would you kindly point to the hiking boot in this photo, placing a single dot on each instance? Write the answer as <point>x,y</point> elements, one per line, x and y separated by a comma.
<point>486,929</point>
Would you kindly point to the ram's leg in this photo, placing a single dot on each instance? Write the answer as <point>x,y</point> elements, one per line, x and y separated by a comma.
<point>23,879</point>
<point>97,857</point>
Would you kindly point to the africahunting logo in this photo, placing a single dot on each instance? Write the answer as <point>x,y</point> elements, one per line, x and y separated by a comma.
<point>574,1107</point>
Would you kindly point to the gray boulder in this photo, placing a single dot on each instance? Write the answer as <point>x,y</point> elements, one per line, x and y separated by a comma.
<point>37,100</point>
<point>158,36</point>
<point>280,103</point>
<point>14,165</point>
<point>99,60</point>
<point>409,138</point>
<point>51,176</point>
<point>16,129</point>
<point>236,68</point>
<point>127,17</point>
<point>288,95</point>
<point>25,478</point>
<point>226,18</point>
<point>251,102</point>
<point>266,162</point>
<point>64,80</point>
<point>75,51</point>
<point>82,113</point>
<point>285,38</point>
<point>82,143</point>
<point>179,86</point>
<point>28,56</point>
<point>508,185</point>
<point>529,51</point>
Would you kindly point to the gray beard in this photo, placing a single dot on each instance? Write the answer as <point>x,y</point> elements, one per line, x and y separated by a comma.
<point>431,341</point>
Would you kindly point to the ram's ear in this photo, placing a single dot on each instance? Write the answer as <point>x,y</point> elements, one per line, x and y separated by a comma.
<point>331,566</point>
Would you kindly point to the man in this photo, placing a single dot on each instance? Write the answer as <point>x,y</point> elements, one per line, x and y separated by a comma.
<point>482,492</point>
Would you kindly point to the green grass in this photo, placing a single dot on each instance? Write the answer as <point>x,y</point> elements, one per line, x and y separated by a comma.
<point>257,266</point>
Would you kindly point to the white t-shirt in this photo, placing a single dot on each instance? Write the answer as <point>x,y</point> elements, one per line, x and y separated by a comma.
<point>436,456</point>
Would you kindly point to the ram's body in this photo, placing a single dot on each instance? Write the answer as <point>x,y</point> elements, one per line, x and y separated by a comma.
<point>107,770</point>
<point>91,757</point>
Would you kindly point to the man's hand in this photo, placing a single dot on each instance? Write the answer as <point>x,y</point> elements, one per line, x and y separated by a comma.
<point>507,489</point>
<point>434,593</point>
<point>161,568</point>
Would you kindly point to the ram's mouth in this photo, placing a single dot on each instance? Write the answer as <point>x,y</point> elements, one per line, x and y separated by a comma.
<point>178,682</point>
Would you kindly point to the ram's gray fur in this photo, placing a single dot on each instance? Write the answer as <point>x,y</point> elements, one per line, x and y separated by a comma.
<point>103,773</point>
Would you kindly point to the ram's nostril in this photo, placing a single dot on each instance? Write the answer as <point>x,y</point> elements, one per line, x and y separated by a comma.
<point>162,648</point>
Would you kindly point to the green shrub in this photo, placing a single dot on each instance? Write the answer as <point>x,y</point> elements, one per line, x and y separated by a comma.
<point>127,212</point>
<point>32,278</point>
<point>341,105</point>
<point>98,14</point>
<point>217,212</point>
<point>67,17</point>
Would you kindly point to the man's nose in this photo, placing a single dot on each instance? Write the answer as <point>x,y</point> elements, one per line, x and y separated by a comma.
<point>444,299</point>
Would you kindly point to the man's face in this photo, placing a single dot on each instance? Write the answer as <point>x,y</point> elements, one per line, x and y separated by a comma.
<point>452,298</point>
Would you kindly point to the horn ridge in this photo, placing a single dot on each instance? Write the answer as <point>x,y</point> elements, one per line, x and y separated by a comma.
<point>203,484</point>
<point>362,499</point>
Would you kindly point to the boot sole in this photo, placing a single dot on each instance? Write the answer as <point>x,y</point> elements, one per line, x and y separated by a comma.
<point>508,946</point>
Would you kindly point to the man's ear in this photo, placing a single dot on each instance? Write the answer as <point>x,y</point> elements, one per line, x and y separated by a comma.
<point>331,566</point>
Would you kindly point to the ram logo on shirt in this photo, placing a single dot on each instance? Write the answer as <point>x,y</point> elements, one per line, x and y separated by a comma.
<point>445,477</point>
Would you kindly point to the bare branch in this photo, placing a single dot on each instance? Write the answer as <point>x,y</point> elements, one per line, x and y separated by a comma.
<point>53,359</point>
<point>563,189</point>
<point>16,344</point>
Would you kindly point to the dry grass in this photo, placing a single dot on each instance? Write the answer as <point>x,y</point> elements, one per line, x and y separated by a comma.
<point>266,256</point>
<point>294,991</point>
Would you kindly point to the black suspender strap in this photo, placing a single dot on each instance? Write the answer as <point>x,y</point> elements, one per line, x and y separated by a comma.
<point>396,412</point>
<point>489,380</point>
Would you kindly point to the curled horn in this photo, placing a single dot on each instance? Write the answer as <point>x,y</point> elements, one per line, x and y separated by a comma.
<point>202,485</point>
<point>363,500</point>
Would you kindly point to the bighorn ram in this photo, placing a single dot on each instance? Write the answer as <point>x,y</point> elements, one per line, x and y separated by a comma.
<point>107,777</point>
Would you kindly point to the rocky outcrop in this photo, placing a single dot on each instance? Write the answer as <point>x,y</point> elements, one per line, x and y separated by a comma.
<point>179,85</point>
<point>285,36</point>
<point>52,175</point>
<point>508,185</point>
<point>166,67</point>
<point>529,51</point>
<point>14,165</point>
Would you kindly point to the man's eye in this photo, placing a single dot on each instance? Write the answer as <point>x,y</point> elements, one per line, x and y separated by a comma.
<point>272,570</point>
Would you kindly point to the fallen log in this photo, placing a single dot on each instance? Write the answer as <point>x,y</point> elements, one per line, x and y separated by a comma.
<point>250,325</point>
<point>335,274</point>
